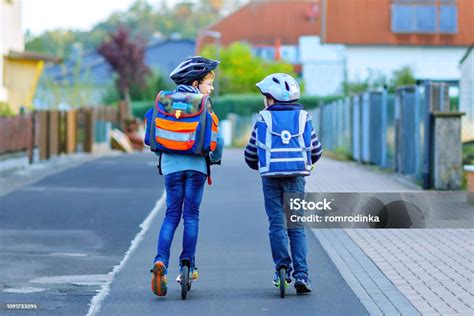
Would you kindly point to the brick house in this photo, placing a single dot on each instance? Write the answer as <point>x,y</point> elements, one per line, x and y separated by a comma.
<point>331,41</point>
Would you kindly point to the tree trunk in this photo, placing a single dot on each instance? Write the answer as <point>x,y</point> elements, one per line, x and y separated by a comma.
<point>126,94</point>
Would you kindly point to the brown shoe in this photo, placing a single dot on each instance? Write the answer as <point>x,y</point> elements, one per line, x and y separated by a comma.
<point>159,281</point>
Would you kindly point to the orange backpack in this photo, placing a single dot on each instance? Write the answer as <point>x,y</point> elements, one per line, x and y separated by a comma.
<point>181,123</point>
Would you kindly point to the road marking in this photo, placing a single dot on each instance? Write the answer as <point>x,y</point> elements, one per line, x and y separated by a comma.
<point>64,279</point>
<point>24,290</point>
<point>68,254</point>
<point>99,190</point>
<point>96,302</point>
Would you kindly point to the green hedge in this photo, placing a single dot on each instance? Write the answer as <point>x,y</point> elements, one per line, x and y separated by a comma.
<point>468,153</point>
<point>454,103</point>
<point>241,104</point>
<point>248,104</point>
<point>139,108</point>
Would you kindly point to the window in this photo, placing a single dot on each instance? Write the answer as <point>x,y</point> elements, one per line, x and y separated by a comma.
<point>425,19</point>
<point>424,16</point>
<point>448,19</point>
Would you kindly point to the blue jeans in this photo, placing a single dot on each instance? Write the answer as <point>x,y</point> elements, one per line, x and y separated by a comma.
<point>184,191</point>
<point>273,189</point>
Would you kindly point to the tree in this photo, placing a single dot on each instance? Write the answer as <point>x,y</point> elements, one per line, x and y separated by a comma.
<point>141,19</point>
<point>402,77</point>
<point>240,70</point>
<point>375,79</point>
<point>127,59</point>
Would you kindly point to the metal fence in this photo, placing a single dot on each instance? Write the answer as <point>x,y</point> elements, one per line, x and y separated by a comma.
<point>56,132</point>
<point>392,131</point>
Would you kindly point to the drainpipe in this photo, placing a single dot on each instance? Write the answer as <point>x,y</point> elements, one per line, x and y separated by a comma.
<point>323,21</point>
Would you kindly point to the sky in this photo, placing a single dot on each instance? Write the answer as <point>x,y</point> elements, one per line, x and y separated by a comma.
<point>42,15</point>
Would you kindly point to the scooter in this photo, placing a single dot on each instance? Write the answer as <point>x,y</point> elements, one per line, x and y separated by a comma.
<point>186,278</point>
<point>282,276</point>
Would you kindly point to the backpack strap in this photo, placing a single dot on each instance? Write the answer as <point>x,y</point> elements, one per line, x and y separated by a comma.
<point>208,167</point>
<point>159,163</point>
<point>151,137</point>
<point>202,121</point>
<point>302,121</point>
<point>266,117</point>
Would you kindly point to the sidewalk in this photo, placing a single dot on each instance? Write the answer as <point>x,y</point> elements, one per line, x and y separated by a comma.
<point>432,268</point>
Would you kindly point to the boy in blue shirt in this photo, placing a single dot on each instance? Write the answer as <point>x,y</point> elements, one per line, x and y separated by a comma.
<point>281,91</point>
<point>185,177</point>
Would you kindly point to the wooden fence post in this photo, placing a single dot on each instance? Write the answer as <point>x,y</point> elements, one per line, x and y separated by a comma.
<point>43,132</point>
<point>53,133</point>
<point>31,137</point>
<point>71,131</point>
<point>62,132</point>
<point>88,130</point>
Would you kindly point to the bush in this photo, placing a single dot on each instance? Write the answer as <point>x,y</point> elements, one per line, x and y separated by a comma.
<point>139,108</point>
<point>5,110</point>
<point>240,104</point>
<point>248,104</point>
<point>153,84</point>
<point>468,153</point>
<point>240,69</point>
<point>454,103</point>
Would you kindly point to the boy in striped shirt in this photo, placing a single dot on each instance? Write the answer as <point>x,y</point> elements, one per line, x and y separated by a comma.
<point>281,92</point>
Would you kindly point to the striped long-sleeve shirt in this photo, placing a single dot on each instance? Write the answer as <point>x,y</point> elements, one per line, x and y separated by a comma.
<point>251,154</point>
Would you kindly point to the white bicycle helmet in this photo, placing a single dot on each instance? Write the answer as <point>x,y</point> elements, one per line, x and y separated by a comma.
<point>280,86</point>
<point>193,68</point>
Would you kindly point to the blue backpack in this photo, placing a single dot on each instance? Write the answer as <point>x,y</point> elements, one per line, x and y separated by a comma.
<point>181,123</point>
<point>284,143</point>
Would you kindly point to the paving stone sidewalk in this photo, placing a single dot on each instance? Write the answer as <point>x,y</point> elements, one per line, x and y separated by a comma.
<point>431,268</point>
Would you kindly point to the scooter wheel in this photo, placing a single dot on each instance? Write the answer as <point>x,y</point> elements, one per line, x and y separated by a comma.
<point>282,282</point>
<point>184,281</point>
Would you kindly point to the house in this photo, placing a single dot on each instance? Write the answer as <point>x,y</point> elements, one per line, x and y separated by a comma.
<point>466,97</point>
<point>91,72</point>
<point>19,70</point>
<point>333,41</point>
<point>11,38</point>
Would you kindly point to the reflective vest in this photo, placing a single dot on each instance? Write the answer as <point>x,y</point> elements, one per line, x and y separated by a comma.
<point>284,143</point>
<point>181,123</point>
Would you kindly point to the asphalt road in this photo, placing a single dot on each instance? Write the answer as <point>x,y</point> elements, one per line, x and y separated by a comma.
<point>75,226</point>
<point>59,237</point>
<point>234,261</point>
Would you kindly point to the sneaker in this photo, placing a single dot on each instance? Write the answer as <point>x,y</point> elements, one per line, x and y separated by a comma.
<point>194,275</point>
<point>302,286</point>
<point>276,279</point>
<point>159,280</point>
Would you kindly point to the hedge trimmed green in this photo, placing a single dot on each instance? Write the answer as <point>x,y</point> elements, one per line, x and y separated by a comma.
<point>139,108</point>
<point>240,104</point>
<point>248,104</point>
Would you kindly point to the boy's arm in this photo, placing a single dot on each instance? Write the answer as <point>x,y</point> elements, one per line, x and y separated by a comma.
<point>216,155</point>
<point>251,155</point>
<point>316,148</point>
